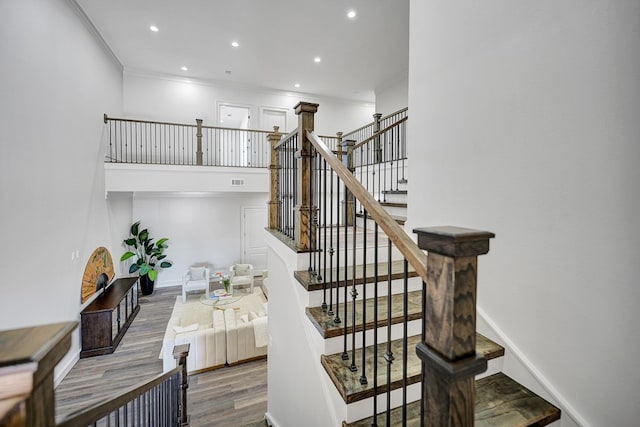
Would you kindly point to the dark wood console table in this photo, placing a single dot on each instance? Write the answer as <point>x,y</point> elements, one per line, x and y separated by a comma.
<point>106,319</point>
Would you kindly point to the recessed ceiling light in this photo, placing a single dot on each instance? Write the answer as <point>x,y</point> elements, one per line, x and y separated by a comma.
<point>153,28</point>
<point>227,71</point>
<point>221,121</point>
<point>235,44</point>
<point>351,14</point>
<point>317,59</point>
<point>184,68</point>
<point>297,85</point>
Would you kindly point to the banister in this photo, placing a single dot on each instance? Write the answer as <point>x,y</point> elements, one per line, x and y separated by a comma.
<point>153,122</point>
<point>110,404</point>
<point>286,138</point>
<point>402,110</point>
<point>394,232</point>
<point>380,132</point>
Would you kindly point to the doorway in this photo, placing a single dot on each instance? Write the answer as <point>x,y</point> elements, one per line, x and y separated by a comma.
<point>254,247</point>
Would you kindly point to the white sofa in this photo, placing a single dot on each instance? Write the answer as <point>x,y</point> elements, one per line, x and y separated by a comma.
<point>217,336</point>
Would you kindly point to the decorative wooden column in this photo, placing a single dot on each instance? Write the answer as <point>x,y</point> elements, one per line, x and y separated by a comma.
<point>303,211</point>
<point>27,359</point>
<point>199,142</point>
<point>349,199</point>
<point>274,202</point>
<point>448,353</point>
<point>377,148</point>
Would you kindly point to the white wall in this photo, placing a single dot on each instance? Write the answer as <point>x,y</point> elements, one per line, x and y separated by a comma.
<point>170,99</point>
<point>57,80</point>
<point>393,96</point>
<point>201,230</point>
<point>529,125</point>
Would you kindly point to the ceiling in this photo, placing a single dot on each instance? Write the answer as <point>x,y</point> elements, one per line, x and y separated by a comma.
<point>278,41</point>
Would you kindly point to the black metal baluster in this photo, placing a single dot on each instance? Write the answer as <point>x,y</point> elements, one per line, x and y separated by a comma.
<point>363,376</point>
<point>405,340</point>
<point>389,353</point>
<point>375,326</point>
<point>320,220</point>
<point>337,319</point>
<point>331,249</point>
<point>345,355</point>
<point>324,242</point>
<point>312,212</point>
<point>354,294</point>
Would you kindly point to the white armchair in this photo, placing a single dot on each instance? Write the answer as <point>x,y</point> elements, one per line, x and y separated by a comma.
<point>195,278</point>
<point>241,276</point>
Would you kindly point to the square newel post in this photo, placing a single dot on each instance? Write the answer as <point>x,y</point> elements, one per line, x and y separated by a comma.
<point>274,202</point>
<point>199,142</point>
<point>349,199</point>
<point>449,360</point>
<point>303,211</point>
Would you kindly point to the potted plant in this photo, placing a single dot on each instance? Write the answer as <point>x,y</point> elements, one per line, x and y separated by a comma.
<point>148,254</point>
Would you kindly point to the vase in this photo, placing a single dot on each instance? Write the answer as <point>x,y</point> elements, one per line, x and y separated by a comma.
<point>146,285</point>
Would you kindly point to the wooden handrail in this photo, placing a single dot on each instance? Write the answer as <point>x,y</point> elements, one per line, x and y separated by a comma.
<point>394,232</point>
<point>375,135</point>
<point>394,113</point>
<point>110,404</point>
<point>117,119</point>
<point>286,138</point>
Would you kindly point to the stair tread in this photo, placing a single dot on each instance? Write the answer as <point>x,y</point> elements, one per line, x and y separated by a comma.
<point>325,325</point>
<point>348,383</point>
<point>499,401</point>
<point>394,192</point>
<point>399,219</point>
<point>393,204</point>
<point>310,284</point>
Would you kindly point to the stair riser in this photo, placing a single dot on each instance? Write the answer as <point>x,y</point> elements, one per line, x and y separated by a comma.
<point>336,344</point>
<point>385,178</point>
<point>370,225</point>
<point>396,211</point>
<point>397,286</point>
<point>383,255</point>
<point>395,198</point>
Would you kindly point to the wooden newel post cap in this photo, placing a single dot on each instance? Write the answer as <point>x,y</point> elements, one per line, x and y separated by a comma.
<point>453,241</point>
<point>180,351</point>
<point>306,107</point>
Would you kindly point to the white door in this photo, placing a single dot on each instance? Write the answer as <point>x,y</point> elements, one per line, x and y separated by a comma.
<point>254,248</point>
<point>274,117</point>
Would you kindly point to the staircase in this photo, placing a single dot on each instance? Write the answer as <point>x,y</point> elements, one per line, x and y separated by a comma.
<point>382,345</point>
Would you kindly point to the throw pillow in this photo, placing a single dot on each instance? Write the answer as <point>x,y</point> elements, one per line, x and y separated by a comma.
<point>253,315</point>
<point>197,273</point>
<point>242,269</point>
<point>189,328</point>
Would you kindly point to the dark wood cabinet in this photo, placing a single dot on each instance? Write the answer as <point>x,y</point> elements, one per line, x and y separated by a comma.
<point>105,320</point>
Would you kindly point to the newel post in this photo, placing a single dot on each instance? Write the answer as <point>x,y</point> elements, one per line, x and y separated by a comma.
<point>377,148</point>
<point>349,199</point>
<point>449,360</point>
<point>274,202</point>
<point>303,211</point>
<point>199,142</point>
<point>180,353</point>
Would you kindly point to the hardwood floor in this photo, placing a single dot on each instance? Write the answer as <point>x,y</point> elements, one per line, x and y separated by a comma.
<point>228,397</point>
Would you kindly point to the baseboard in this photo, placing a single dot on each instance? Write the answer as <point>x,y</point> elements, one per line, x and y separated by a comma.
<point>511,347</point>
<point>270,420</point>
<point>63,370</point>
<point>168,284</point>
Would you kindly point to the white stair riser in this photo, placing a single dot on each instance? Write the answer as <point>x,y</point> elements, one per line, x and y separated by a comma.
<point>336,344</point>
<point>397,287</point>
<point>396,211</point>
<point>383,255</point>
<point>395,198</point>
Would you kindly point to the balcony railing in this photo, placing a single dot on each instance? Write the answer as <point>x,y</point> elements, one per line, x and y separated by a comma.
<point>152,142</point>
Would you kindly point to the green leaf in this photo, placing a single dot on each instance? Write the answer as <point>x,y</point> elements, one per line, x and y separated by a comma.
<point>134,228</point>
<point>165,264</point>
<point>160,243</point>
<point>125,256</point>
<point>130,242</point>
<point>134,268</point>
<point>143,236</point>
<point>161,257</point>
<point>145,269</point>
<point>153,274</point>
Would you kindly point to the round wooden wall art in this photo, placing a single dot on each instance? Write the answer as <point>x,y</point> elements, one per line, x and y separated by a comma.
<point>99,263</point>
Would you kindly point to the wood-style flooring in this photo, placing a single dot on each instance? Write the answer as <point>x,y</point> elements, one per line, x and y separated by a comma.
<point>227,397</point>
